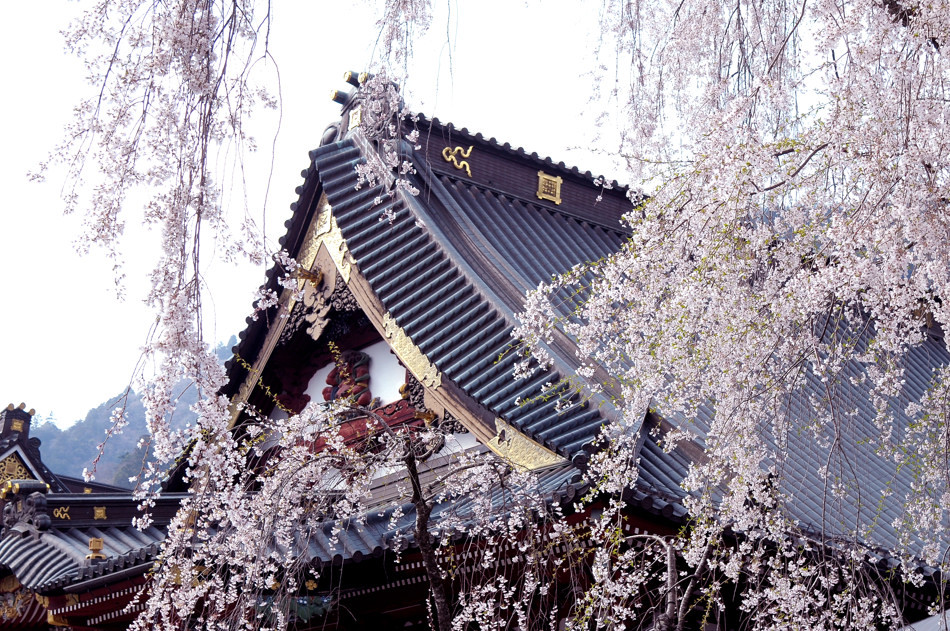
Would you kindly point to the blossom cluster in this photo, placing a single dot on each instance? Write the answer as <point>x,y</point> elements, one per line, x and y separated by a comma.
<point>786,271</point>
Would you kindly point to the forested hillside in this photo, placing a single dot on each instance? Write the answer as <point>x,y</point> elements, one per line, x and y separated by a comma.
<point>70,451</point>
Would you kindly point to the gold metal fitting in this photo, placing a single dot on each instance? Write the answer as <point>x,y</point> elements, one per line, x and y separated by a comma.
<point>95,549</point>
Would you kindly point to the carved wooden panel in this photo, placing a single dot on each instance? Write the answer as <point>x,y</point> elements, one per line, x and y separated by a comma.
<point>12,468</point>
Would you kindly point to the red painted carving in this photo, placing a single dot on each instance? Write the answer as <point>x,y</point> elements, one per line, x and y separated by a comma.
<point>398,417</point>
<point>359,431</point>
<point>349,379</point>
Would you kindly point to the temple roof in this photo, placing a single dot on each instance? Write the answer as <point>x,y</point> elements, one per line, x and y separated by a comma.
<point>452,267</point>
<point>58,559</point>
<point>48,543</point>
<point>448,269</point>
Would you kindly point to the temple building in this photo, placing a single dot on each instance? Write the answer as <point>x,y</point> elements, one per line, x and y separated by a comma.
<point>69,554</point>
<point>407,307</point>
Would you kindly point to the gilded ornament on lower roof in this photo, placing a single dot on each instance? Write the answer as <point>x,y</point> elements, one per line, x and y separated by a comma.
<point>95,549</point>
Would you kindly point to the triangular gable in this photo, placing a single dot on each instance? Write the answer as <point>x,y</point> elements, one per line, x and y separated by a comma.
<point>436,284</point>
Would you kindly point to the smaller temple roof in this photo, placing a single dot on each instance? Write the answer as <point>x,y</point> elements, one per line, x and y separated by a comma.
<point>69,551</point>
<point>58,559</point>
<point>58,541</point>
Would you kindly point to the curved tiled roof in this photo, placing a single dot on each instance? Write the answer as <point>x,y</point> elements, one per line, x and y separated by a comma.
<point>33,562</point>
<point>57,557</point>
<point>124,547</point>
<point>867,505</point>
<point>452,267</point>
<point>376,533</point>
<point>430,268</point>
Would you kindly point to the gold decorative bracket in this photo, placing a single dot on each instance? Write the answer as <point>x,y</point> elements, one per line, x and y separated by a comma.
<point>56,620</point>
<point>314,277</point>
<point>410,355</point>
<point>99,512</point>
<point>520,450</point>
<point>549,187</point>
<point>451,155</point>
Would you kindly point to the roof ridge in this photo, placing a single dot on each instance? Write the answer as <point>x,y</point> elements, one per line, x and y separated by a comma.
<point>522,153</point>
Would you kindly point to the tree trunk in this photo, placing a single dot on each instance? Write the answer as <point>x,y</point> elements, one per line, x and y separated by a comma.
<point>443,617</point>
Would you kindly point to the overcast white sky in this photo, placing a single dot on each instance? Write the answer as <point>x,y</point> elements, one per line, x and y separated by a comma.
<point>67,343</point>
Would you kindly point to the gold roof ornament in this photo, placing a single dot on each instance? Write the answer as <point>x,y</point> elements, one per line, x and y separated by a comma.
<point>13,468</point>
<point>95,549</point>
<point>22,408</point>
<point>451,155</point>
<point>549,187</point>
<point>356,117</point>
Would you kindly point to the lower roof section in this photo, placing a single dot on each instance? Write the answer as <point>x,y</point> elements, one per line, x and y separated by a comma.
<point>57,558</point>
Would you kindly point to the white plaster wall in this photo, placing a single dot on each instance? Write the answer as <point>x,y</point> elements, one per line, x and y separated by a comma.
<point>319,381</point>
<point>386,375</point>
